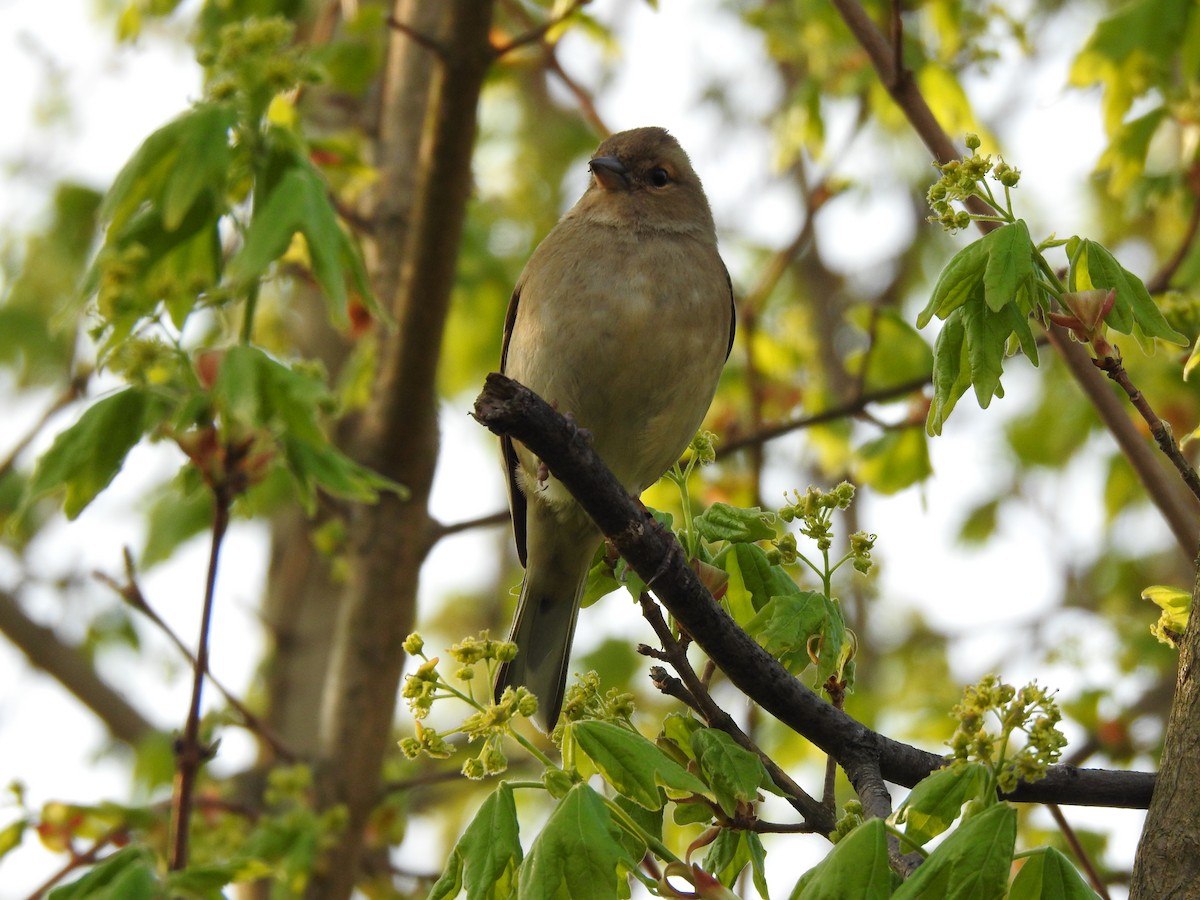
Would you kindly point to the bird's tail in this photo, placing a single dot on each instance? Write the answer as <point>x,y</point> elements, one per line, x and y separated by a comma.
<point>543,630</point>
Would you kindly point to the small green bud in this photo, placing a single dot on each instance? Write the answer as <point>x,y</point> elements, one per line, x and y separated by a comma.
<point>414,644</point>
<point>557,782</point>
<point>973,141</point>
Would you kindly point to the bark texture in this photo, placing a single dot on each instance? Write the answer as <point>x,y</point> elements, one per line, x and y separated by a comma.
<point>398,432</point>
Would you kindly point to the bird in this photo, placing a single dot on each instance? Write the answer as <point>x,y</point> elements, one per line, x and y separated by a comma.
<point>622,318</point>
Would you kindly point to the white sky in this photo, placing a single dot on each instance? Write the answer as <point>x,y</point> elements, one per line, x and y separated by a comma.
<point>115,97</point>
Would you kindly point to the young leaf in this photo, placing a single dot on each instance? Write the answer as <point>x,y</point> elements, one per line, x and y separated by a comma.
<point>1009,263</point>
<point>1048,875</point>
<point>937,800</point>
<point>126,875</point>
<point>951,372</point>
<point>184,159</point>
<point>960,279</point>
<point>735,773</point>
<point>1133,301</point>
<point>973,862</point>
<point>986,334</point>
<point>632,764</point>
<point>730,853</point>
<point>300,203</point>
<point>752,580</point>
<point>856,867</point>
<point>86,457</point>
<point>785,625</point>
<point>722,522</point>
<point>11,835</point>
<point>578,853</point>
<point>486,857</point>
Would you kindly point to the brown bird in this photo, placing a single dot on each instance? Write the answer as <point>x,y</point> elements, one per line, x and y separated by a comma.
<point>623,318</point>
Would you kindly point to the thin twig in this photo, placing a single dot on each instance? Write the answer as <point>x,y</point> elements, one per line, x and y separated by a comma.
<point>539,32</point>
<point>1161,280</point>
<point>424,40</point>
<point>491,520</point>
<point>131,593</point>
<point>190,753</point>
<point>1115,369</point>
<point>851,408</point>
<point>78,860</point>
<point>73,391</point>
<point>587,106</point>
<point>1077,848</point>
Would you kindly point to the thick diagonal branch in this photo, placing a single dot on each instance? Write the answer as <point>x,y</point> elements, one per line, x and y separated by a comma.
<point>869,758</point>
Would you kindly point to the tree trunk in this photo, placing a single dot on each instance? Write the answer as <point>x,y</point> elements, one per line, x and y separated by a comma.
<point>398,433</point>
<point>1168,856</point>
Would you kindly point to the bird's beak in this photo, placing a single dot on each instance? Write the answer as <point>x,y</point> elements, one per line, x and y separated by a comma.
<point>611,174</point>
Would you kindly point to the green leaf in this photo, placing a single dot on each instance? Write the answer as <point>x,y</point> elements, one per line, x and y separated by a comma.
<point>178,511</point>
<point>1125,156</point>
<point>578,855</point>
<point>752,580</point>
<point>897,354</point>
<point>1009,263</point>
<point>784,626</point>
<point>1132,298</point>
<point>734,773</point>
<point>254,391</point>
<point>486,857</point>
<point>971,864</point>
<point>937,800</point>
<point>1046,874</point>
<point>961,278</point>
<point>1176,606</point>
<point>722,522</point>
<point>300,203</point>
<point>633,764</point>
<point>856,867</point>
<point>184,159</point>
<point>951,373</point>
<point>126,875</point>
<point>11,835</point>
<point>86,457</point>
<point>730,853</point>
<point>322,465</point>
<point>986,337</point>
<point>896,460</point>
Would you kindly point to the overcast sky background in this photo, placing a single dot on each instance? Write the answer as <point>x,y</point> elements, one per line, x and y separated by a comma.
<point>77,106</point>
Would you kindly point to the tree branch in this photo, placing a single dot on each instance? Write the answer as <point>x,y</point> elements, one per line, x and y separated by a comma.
<point>818,817</point>
<point>68,665</point>
<point>1181,517</point>
<point>506,407</point>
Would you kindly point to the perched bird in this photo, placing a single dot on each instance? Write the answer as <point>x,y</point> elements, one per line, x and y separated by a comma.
<point>623,318</point>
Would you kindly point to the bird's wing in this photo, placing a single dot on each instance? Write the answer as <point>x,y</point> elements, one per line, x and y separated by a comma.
<point>516,499</point>
<point>732,313</point>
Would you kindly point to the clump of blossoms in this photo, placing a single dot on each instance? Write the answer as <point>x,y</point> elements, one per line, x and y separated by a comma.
<point>813,511</point>
<point>491,720</point>
<point>962,179</point>
<point>990,716</point>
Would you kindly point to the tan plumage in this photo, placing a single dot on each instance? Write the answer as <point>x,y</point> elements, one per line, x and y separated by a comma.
<point>623,317</point>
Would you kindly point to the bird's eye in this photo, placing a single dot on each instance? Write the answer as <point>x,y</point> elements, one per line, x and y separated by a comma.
<point>660,177</point>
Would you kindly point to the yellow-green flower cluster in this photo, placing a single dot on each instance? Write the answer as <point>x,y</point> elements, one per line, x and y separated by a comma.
<point>1030,709</point>
<point>964,178</point>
